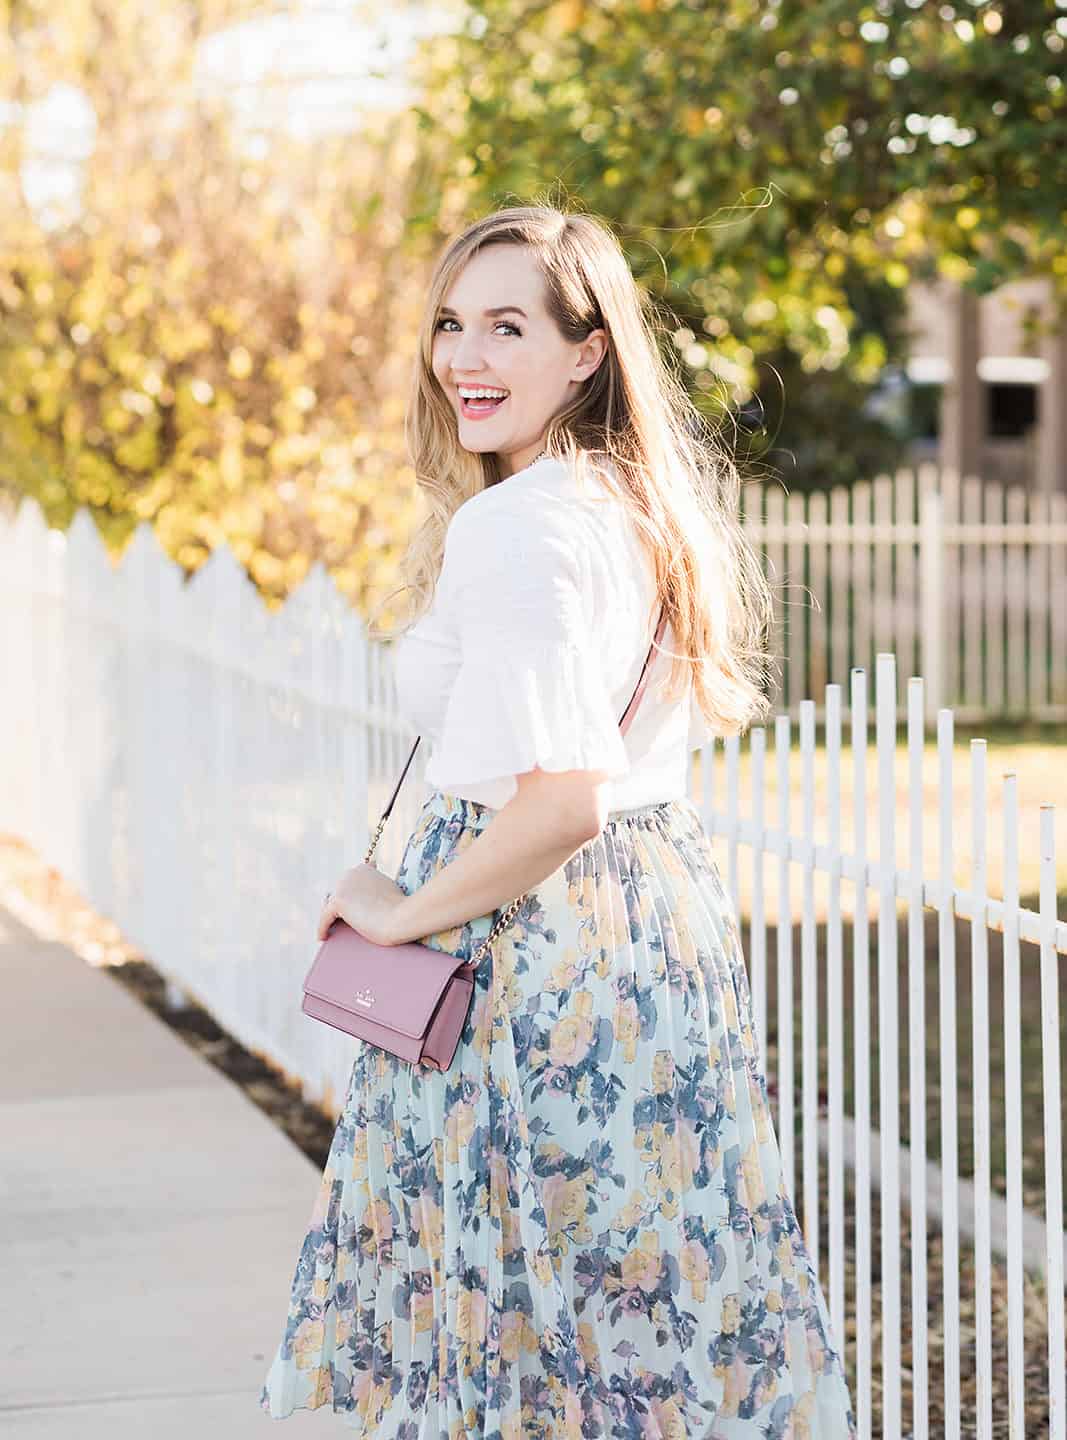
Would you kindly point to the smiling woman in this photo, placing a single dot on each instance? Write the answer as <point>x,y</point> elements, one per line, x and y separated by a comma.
<point>526,359</point>
<point>581,1229</point>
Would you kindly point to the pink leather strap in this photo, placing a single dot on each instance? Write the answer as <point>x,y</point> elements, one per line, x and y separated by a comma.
<point>624,723</point>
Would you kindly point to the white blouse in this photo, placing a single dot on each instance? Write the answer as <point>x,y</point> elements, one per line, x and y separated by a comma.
<point>543,613</point>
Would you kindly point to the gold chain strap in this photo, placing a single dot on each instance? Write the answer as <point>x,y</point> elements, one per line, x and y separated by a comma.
<point>501,923</point>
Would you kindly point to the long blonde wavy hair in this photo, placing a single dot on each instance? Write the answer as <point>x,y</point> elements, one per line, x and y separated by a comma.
<point>676,477</point>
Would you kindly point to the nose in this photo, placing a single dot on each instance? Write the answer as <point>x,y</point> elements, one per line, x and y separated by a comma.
<point>466,355</point>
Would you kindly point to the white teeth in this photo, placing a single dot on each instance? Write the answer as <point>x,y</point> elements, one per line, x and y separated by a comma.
<point>483,394</point>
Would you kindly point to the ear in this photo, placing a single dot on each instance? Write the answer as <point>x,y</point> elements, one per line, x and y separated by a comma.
<point>591,352</point>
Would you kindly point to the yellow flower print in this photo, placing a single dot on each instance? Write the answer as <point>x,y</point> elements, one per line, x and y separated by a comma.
<point>379,1220</point>
<point>565,975</point>
<point>359,1152</point>
<point>678,1155</point>
<point>510,1232</point>
<point>320,1395</point>
<point>320,1286</point>
<point>663,1072</point>
<point>580,892</point>
<point>729,1003</point>
<point>572,1417</point>
<point>422,1311</point>
<point>566,1203</point>
<point>541,1267</point>
<point>785,1257</point>
<point>470,1325</point>
<point>641,1265</point>
<point>511,1427</point>
<point>755,1190</point>
<point>632,1212</point>
<point>516,1335</point>
<point>738,1378</point>
<point>693,1263</point>
<point>431,1226</point>
<point>627,1028</point>
<point>687,954</point>
<point>459,1127</point>
<point>573,1034</point>
<point>615,918</point>
<point>802,1415</point>
<point>588,1348</point>
<point>479,1020</point>
<point>669,1418</point>
<point>498,1177</point>
<point>731,1313</point>
<point>307,1344</point>
<point>759,1111</point>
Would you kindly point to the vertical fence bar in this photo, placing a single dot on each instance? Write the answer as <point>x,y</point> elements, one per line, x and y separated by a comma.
<point>905,631</point>
<point>809,980</point>
<point>861,1053</point>
<point>1057,599</point>
<point>820,617</point>
<point>1013,1109</point>
<point>983,1257</point>
<point>786,1099</point>
<point>946,958</point>
<point>758,934</point>
<point>731,746</point>
<point>972,595</point>
<point>884,598</point>
<point>920,1364</point>
<point>1051,1081</point>
<point>993,600</point>
<point>931,601</point>
<point>952,595</point>
<point>861,574</point>
<point>1015,582</point>
<point>840,582</point>
<point>1037,594</point>
<point>835,1007</point>
<point>797,600</point>
<point>888,1039</point>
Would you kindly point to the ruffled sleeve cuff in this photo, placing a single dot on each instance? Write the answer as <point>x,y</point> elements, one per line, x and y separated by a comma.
<point>507,714</point>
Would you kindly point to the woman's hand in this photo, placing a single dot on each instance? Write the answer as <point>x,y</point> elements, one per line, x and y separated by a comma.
<point>365,899</point>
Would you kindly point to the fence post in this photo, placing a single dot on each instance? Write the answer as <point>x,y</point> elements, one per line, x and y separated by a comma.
<point>931,601</point>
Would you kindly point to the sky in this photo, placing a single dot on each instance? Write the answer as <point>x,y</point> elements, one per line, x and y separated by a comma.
<point>309,72</point>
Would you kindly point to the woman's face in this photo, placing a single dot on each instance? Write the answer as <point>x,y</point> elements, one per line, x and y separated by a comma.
<point>518,350</point>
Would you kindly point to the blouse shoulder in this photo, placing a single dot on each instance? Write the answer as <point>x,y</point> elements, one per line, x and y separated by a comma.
<point>515,520</point>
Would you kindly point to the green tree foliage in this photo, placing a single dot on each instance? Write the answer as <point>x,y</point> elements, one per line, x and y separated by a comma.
<point>777,173</point>
<point>220,341</point>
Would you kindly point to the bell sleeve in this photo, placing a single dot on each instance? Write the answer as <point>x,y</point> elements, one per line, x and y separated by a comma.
<point>530,690</point>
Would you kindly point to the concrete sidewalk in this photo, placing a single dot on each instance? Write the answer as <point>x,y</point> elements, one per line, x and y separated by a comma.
<point>150,1219</point>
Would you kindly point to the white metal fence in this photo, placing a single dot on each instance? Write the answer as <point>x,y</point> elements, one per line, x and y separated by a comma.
<point>201,767</point>
<point>965,584</point>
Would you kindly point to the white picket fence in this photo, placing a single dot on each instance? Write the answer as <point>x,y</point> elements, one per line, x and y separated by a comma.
<point>202,768</point>
<point>965,584</point>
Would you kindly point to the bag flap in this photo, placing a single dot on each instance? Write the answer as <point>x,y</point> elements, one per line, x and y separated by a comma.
<point>394,985</point>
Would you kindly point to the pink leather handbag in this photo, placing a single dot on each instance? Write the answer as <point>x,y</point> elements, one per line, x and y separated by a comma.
<point>408,999</point>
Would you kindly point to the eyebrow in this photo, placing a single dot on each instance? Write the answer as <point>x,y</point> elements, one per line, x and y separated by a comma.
<point>494,310</point>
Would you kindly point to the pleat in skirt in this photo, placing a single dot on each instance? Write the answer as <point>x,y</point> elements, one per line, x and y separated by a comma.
<point>580,1229</point>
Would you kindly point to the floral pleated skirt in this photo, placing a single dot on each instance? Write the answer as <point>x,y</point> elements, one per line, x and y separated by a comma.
<point>580,1229</point>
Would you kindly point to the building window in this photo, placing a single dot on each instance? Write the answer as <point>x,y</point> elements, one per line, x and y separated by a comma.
<point>1011,410</point>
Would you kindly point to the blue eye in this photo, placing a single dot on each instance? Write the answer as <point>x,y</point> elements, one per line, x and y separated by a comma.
<point>448,320</point>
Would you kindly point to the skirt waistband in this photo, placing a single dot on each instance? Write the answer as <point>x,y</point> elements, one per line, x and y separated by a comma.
<point>472,814</point>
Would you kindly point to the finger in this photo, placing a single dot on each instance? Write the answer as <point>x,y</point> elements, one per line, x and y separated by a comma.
<point>328,916</point>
